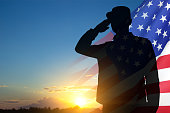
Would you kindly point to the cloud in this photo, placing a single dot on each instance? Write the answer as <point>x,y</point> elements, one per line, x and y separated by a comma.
<point>53,89</point>
<point>46,88</point>
<point>47,102</point>
<point>80,87</point>
<point>1,86</point>
<point>53,86</point>
<point>69,89</point>
<point>11,101</point>
<point>25,87</point>
<point>88,75</point>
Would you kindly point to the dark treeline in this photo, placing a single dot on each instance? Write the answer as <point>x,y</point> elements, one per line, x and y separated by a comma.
<point>49,110</point>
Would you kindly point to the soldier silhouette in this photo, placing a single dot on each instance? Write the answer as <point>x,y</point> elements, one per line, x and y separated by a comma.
<point>128,78</point>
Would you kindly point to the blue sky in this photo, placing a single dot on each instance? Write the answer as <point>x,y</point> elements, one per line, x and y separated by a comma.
<point>37,39</point>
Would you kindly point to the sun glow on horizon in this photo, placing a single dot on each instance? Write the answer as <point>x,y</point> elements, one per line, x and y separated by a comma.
<point>81,101</point>
<point>82,96</point>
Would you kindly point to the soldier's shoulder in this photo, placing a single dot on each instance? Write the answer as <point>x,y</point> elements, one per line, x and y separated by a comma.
<point>106,44</point>
<point>142,39</point>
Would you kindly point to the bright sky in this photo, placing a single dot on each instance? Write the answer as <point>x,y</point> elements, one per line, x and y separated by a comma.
<point>37,40</point>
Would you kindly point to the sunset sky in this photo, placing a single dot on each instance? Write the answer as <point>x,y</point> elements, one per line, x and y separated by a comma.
<point>37,40</point>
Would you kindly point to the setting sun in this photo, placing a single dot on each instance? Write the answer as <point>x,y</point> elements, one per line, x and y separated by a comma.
<point>80,101</point>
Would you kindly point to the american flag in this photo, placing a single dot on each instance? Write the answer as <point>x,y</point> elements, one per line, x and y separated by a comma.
<point>150,20</point>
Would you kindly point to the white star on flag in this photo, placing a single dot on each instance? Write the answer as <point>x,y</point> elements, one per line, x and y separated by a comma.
<point>145,15</point>
<point>130,26</point>
<point>143,5</point>
<point>154,17</point>
<point>159,46</point>
<point>164,34</point>
<point>138,10</point>
<point>158,31</point>
<point>140,27</point>
<point>148,29</point>
<point>154,43</point>
<point>167,6</point>
<point>135,16</point>
<point>160,4</point>
<point>149,4</point>
<point>163,19</point>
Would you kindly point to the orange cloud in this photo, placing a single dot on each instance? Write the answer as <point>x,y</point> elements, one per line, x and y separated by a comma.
<point>3,86</point>
<point>69,88</point>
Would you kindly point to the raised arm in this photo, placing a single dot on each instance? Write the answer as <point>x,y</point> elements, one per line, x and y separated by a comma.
<point>84,44</point>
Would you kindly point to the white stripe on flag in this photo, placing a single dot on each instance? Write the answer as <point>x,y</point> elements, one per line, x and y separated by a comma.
<point>164,99</point>
<point>164,74</point>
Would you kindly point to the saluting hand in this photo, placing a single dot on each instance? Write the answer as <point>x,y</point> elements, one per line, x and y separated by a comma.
<point>103,26</point>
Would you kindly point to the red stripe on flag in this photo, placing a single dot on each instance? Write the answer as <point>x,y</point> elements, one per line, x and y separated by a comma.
<point>78,74</point>
<point>90,73</point>
<point>81,58</point>
<point>163,62</point>
<point>163,109</point>
<point>164,87</point>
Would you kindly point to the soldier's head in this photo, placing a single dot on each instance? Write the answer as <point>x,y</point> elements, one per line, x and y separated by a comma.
<point>120,18</point>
